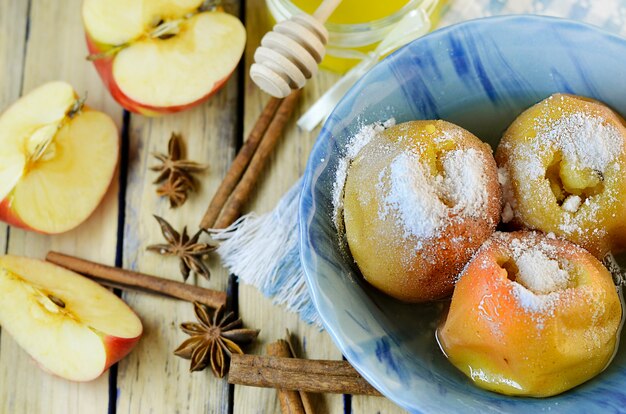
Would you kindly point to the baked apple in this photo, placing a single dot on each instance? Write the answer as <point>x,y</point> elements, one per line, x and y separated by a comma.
<point>419,199</point>
<point>531,315</point>
<point>561,164</point>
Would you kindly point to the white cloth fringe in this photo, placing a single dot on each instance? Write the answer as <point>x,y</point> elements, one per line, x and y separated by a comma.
<point>264,251</point>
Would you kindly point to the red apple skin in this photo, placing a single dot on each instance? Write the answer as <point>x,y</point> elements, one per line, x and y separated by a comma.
<point>10,217</point>
<point>118,348</point>
<point>104,67</point>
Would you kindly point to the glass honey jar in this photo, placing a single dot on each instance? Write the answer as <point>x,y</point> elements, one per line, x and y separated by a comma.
<point>356,26</point>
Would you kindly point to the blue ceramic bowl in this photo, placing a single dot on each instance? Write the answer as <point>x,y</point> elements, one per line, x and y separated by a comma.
<point>480,75</point>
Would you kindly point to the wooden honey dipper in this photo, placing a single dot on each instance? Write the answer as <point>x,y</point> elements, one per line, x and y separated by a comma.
<point>290,53</point>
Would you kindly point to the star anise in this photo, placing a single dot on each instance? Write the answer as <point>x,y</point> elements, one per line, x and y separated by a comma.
<point>189,250</point>
<point>213,339</point>
<point>174,190</point>
<point>176,171</point>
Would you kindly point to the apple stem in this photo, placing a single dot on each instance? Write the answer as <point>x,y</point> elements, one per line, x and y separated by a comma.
<point>77,107</point>
<point>107,53</point>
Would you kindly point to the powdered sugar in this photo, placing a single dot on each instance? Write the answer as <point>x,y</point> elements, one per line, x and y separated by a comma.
<point>534,303</point>
<point>542,274</point>
<point>352,149</point>
<point>504,178</point>
<point>410,195</point>
<point>539,273</point>
<point>423,203</point>
<point>507,213</point>
<point>572,203</point>
<point>465,182</point>
<point>586,140</point>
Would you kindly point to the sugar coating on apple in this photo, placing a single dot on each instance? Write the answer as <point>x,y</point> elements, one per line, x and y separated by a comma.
<point>532,315</point>
<point>70,325</point>
<point>57,159</point>
<point>562,165</point>
<point>162,56</point>
<point>419,200</point>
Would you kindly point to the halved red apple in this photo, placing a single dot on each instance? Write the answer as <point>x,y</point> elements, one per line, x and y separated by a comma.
<point>161,56</point>
<point>57,159</point>
<point>70,325</point>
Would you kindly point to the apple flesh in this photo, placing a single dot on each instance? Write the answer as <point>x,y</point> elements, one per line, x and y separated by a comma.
<point>57,159</point>
<point>164,56</point>
<point>70,325</point>
<point>531,339</point>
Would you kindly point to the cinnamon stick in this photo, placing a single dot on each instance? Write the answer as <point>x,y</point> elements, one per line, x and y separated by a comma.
<point>308,375</point>
<point>116,277</point>
<point>304,396</point>
<point>240,163</point>
<point>234,204</point>
<point>290,401</point>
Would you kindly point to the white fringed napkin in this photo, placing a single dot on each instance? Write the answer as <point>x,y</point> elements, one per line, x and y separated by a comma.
<point>264,251</point>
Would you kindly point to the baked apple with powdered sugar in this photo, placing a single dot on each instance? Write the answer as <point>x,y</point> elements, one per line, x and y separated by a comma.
<point>419,199</point>
<point>531,315</point>
<point>562,168</point>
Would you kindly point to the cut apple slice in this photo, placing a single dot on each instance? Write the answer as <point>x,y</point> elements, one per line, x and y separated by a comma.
<point>70,325</point>
<point>162,56</point>
<point>183,77</point>
<point>57,160</point>
<point>43,108</point>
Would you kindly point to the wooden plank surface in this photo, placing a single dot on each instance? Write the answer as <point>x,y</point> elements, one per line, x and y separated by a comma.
<point>13,27</point>
<point>13,23</point>
<point>56,50</point>
<point>152,379</point>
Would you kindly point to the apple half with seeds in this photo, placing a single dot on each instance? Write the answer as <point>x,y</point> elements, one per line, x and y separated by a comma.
<point>57,159</point>
<point>70,325</point>
<point>161,56</point>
